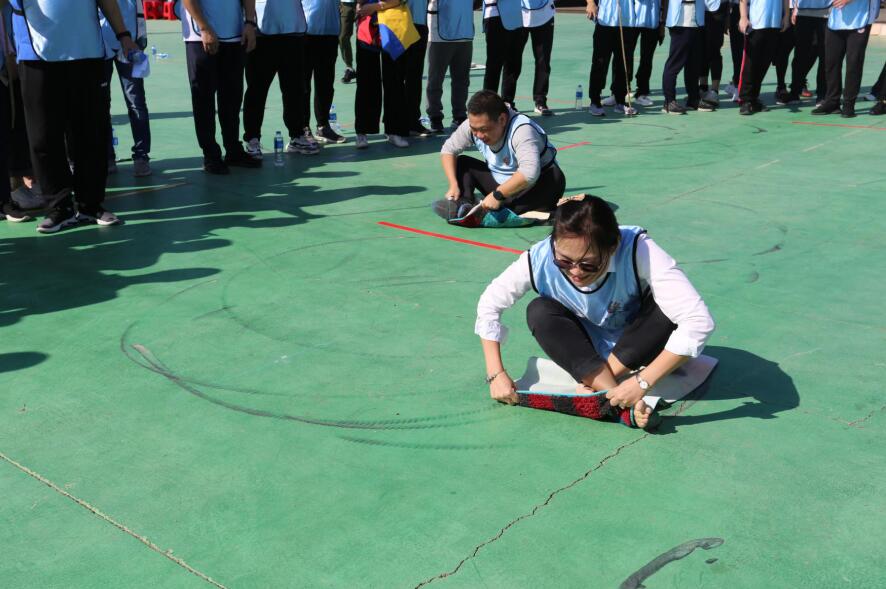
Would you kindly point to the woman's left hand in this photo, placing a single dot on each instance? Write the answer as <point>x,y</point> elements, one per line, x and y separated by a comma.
<point>367,9</point>
<point>625,394</point>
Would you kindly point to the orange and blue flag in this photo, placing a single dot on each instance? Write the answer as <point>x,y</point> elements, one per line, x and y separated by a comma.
<point>391,30</point>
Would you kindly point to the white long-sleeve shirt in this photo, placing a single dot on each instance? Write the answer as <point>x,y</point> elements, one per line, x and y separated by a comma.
<point>672,291</point>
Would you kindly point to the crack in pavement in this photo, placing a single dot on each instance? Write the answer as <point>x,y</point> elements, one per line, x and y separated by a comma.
<point>531,513</point>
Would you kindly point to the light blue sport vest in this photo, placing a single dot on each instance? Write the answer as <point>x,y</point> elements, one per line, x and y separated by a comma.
<point>419,11</point>
<point>451,20</point>
<point>675,12</point>
<point>224,16</point>
<point>133,20</point>
<point>813,4</point>
<point>56,30</point>
<point>280,17</point>
<point>510,12</point>
<point>610,12</point>
<point>648,13</point>
<point>503,163</point>
<point>605,309</point>
<point>324,16</point>
<point>856,15</point>
<point>764,14</point>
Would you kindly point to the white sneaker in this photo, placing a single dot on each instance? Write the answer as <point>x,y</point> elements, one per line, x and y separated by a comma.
<point>362,142</point>
<point>397,141</point>
<point>870,97</point>
<point>609,101</point>
<point>253,149</point>
<point>25,198</point>
<point>711,98</point>
<point>99,216</point>
<point>596,111</point>
<point>730,88</point>
<point>643,100</point>
<point>624,109</point>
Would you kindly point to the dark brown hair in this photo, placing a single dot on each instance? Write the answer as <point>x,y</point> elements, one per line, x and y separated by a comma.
<point>590,218</point>
<point>487,102</point>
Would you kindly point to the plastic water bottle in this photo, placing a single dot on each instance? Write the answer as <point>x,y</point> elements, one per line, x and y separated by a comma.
<point>141,66</point>
<point>154,52</point>
<point>114,140</point>
<point>333,120</point>
<point>579,98</point>
<point>278,149</point>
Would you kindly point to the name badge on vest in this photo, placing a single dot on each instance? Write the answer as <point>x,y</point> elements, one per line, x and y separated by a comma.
<point>507,160</point>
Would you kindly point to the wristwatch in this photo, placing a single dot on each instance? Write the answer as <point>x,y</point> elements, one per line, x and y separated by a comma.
<point>497,195</point>
<point>643,384</point>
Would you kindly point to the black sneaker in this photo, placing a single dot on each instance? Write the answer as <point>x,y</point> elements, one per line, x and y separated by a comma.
<point>791,98</point>
<point>705,106</point>
<point>543,110</point>
<point>437,126</point>
<point>325,134</point>
<point>782,96</point>
<point>13,213</point>
<point>419,130</point>
<point>215,166</point>
<point>691,105</point>
<point>57,219</point>
<point>350,76</point>
<point>512,106</point>
<point>826,108</point>
<point>878,109</point>
<point>241,159</point>
<point>673,108</point>
<point>456,123</point>
<point>759,106</point>
<point>746,108</point>
<point>848,111</point>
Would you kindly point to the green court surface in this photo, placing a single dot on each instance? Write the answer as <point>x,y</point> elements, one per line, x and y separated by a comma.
<point>254,384</point>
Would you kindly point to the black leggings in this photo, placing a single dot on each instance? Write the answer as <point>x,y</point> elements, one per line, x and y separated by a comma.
<point>715,24</point>
<point>473,174</point>
<point>564,339</point>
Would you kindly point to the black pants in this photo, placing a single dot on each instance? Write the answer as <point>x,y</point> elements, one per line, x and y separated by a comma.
<point>380,79</point>
<point>782,56</point>
<point>715,25</point>
<point>348,13</point>
<point>761,46</point>
<point>281,56</point>
<point>686,53</point>
<point>809,33</point>
<point>66,106</point>
<point>321,51</point>
<point>474,175</point>
<point>736,42</point>
<point>648,43</point>
<point>563,338</point>
<point>5,112</point>
<point>851,45</point>
<point>216,77</point>
<point>879,87</point>
<point>415,71</point>
<point>542,46</point>
<point>19,151</point>
<point>504,57</point>
<point>608,47</point>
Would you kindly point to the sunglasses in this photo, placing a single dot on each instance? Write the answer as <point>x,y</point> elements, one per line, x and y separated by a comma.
<point>566,265</point>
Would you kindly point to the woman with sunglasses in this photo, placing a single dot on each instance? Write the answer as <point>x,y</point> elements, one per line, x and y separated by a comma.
<point>614,310</point>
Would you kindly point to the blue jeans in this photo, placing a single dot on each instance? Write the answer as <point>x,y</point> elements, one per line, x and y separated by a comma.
<point>136,106</point>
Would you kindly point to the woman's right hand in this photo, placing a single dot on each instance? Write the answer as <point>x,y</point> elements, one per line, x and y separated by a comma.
<point>591,10</point>
<point>743,24</point>
<point>503,389</point>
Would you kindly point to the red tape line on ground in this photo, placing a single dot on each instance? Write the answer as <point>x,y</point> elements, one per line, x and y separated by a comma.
<point>451,238</point>
<point>574,145</point>
<point>839,125</point>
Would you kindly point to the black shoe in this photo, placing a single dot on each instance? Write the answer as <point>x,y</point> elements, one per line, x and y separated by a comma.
<point>782,96</point>
<point>848,110</point>
<point>826,108</point>
<point>791,98</point>
<point>542,109</point>
<point>13,213</point>
<point>241,159</point>
<point>746,108</point>
<point>705,106</point>
<point>419,130</point>
<point>673,108</point>
<point>57,219</point>
<point>325,134</point>
<point>690,105</point>
<point>437,126</point>
<point>456,123</point>
<point>350,76</point>
<point>215,165</point>
<point>759,106</point>
<point>512,106</point>
<point>878,109</point>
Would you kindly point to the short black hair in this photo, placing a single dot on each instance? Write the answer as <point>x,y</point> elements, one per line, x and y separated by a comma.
<point>487,102</point>
<point>591,218</point>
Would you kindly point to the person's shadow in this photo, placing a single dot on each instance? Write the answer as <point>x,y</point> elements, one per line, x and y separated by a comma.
<point>766,388</point>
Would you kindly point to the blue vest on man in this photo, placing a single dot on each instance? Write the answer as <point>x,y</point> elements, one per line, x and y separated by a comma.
<point>324,16</point>
<point>854,16</point>
<point>56,30</point>
<point>605,308</point>
<point>280,17</point>
<point>503,162</point>
<point>452,20</point>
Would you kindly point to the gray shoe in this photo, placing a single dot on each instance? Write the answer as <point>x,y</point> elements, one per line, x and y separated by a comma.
<point>141,167</point>
<point>27,199</point>
<point>99,216</point>
<point>57,219</point>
